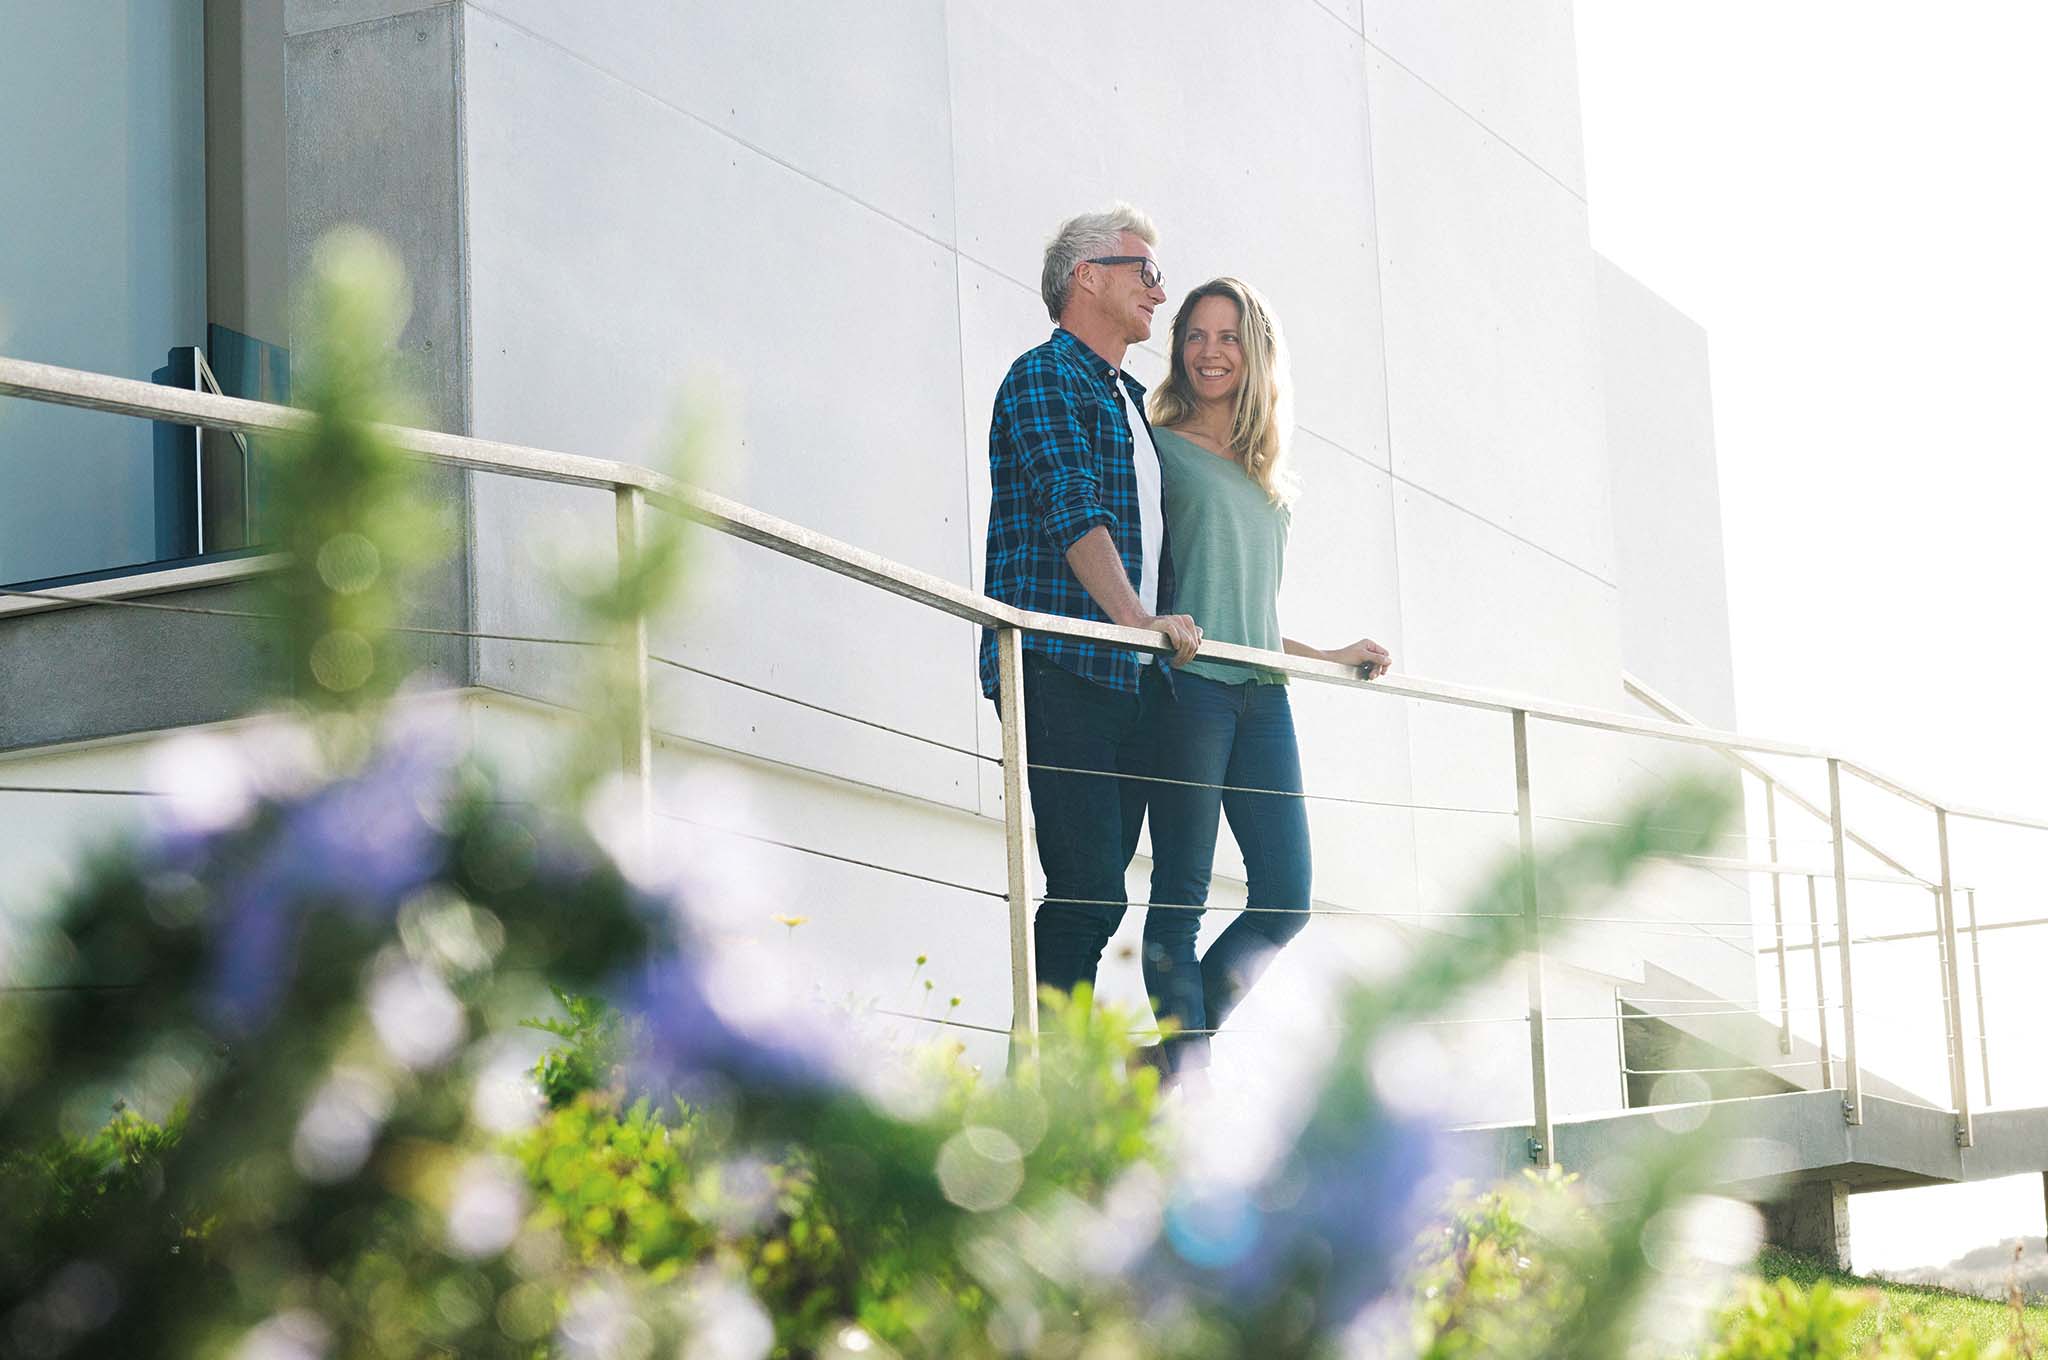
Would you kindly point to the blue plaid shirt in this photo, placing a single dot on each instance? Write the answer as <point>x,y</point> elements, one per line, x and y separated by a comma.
<point>1059,457</point>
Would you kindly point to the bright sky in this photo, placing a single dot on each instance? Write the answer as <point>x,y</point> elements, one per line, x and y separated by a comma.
<point>1851,196</point>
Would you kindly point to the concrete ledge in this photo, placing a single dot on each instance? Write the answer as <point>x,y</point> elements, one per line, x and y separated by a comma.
<point>141,585</point>
<point>315,16</point>
<point>1778,1142</point>
<point>75,671</point>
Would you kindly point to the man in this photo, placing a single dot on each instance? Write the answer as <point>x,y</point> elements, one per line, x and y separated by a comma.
<point>1075,527</point>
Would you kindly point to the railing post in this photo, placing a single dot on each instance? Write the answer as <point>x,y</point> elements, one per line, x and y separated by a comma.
<point>1820,983</point>
<point>1952,1004</point>
<point>1621,1046</point>
<point>1542,1137</point>
<point>1852,1097</point>
<point>1023,956</point>
<point>1941,985</point>
<point>1977,972</point>
<point>636,755</point>
<point>1778,915</point>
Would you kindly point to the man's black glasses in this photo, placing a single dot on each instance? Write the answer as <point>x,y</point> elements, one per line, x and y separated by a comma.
<point>1148,272</point>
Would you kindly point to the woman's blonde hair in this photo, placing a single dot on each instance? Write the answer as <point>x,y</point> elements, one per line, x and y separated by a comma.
<point>1258,429</point>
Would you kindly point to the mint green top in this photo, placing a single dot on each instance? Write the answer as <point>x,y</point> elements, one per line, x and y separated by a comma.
<point>1229,542</point>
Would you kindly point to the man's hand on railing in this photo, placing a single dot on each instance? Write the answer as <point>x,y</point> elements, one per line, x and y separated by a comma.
<point>1180,629</point>
<point>1093,557</point>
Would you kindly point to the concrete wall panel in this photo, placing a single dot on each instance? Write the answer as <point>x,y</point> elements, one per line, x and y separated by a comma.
<point>1350,13</point>
<point>1492,330</point>
<point>1342,583</point>
<point>1514,68</point>
<point>852,95</point>
<point>616,260</point>
<point>372,140</point>
<point>1234,185</point>
<point>1667,499</point>
<point>1483,606</point>
<point>1000,318</point>
<point>175,669</point>
<point>311,16</point>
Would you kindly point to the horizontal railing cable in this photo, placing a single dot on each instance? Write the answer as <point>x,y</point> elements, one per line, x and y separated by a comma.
<point>1708,1001</point>
<point>1832,943</point>
<point>485,636</point>
<point>827,854</point>
<point>1687,1071</point>
<point>1647,921</point>
<point>418,629</point>
<point>81,789</point>
<point>821,708</point>
<point>807,771</point>
<point>948,1021</point>
<point>1277,793</point>
<point>1718,835</point>
<point>1284,911</point>
<point>1363,914</point>
<point>40,988</point>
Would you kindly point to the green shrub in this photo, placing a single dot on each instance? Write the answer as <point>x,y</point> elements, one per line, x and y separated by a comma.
<point>659,1196</point>
<point>1492,1275</point>
<point>594,1039</point>
<point>1784,1320</point>
<point>662,1190</point>
<point>75,1187</point>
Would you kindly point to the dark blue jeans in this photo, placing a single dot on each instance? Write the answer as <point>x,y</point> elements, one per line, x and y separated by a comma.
<point>1241,737</point>
<point>1087,823</point>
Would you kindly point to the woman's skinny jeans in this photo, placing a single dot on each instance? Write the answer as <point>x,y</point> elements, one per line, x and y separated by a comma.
<point>1240,737</point>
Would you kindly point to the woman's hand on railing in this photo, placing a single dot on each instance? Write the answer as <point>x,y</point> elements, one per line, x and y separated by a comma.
<point>1371,659</point>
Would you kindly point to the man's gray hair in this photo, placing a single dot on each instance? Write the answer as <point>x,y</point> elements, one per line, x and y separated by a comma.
<point>1080,238</point>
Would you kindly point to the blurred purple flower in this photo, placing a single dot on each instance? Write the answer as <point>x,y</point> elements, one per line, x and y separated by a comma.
<point>1335,1217</point>
<point>361,844</point>
<point>695,1031</point>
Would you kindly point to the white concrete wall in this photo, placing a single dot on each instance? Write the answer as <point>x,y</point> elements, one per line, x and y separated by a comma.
<point>1667,499</point>
<point>838,212</point>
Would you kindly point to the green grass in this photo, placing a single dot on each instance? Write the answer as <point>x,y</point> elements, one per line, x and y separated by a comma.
<point>1965,1313</point>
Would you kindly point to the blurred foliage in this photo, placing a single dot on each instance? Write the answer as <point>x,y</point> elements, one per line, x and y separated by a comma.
<point>342,505</point>
<point>266,1089</point>
<point>1490,1276</point>
<point>77,1189</point>
<point>669,1192</point>
<point>1941,1312</point>
<point>594,1040</point>
<point>1783,1320</point>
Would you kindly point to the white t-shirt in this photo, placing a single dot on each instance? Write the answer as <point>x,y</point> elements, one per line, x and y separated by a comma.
<point>1151,516</point>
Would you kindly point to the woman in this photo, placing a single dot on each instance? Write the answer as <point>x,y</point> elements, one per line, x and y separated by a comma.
<point>1228,733</point>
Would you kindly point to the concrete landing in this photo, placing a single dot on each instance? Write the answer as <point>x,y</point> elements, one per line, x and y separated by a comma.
<point>1777,1142</point>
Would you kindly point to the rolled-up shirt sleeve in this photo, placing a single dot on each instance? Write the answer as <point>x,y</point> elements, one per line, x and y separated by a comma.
<point>1056,454</point>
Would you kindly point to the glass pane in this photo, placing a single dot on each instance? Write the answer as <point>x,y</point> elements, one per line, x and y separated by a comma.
<point>103,268</point>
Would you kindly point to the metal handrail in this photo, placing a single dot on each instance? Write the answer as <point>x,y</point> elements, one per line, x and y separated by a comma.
<point>1944,889</point>
<point>212,384</point>
<point>1659,704</point>
<point>633,486</point>
<point>128,396</point>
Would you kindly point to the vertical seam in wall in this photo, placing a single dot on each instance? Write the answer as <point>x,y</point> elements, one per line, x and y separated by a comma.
<point>966,418</point>
<point>465,349</point>
<point>1365,49</point>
